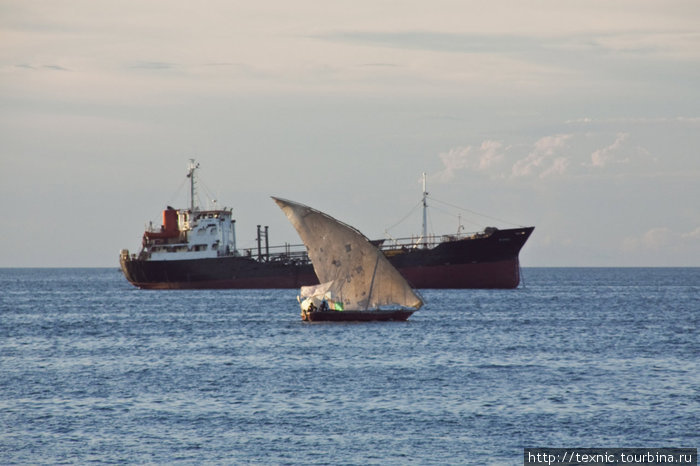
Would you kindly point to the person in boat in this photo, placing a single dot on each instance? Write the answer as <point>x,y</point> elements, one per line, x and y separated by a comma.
<point>324,306</point>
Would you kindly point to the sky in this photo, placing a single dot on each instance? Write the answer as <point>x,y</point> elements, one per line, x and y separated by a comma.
<point>581,118</point>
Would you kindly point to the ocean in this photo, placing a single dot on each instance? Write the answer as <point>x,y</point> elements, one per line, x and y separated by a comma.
<point>93,370</point>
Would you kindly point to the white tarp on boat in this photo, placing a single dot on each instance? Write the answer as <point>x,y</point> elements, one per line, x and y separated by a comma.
<point>316,295</point>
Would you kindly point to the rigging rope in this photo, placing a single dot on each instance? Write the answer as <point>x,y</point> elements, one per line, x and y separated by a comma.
<point>207,193</point>
<point>210,199</point>
<point>450,214</point>
<point>177,193</point>
<point>473,212</point>
<point>406,216</point>
<point>433,207</point>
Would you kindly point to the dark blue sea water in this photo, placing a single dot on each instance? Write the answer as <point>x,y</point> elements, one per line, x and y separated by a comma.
<point>94,370</point>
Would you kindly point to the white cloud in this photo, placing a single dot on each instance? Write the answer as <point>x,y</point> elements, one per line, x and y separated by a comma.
<point>490,154</point>
<point>486,157</point>
<point>453,160</point>
<point>605,155</point>
<point>543,160</point>
<point>656,238</point>
<point>663,238</point>
<point>676,45</point>
<point>692,235</point>
<point>558,167</point>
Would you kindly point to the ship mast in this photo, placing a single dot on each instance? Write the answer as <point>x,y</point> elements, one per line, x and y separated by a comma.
<point>425,215</point>
<point>190,174</point>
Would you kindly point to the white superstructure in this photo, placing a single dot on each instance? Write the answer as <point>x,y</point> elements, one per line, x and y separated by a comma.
<point>191,233</point>
<point>202,234</point>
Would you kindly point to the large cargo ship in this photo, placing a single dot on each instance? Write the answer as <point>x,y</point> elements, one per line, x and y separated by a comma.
<point>196,249</point>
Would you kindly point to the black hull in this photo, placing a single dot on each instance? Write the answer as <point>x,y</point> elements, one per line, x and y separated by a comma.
<point>355,316</point>
<point>489,262</point>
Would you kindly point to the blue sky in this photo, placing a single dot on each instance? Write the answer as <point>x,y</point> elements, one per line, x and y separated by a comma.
<point>581,118</point>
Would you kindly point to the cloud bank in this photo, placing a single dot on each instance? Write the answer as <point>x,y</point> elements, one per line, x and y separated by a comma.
<point>663,244</point>
<point>550,157</point>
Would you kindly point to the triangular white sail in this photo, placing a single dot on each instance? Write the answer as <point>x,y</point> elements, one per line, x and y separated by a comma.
<point>360,276</point>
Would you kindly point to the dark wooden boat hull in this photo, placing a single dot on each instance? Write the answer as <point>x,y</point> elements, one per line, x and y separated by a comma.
<point>355,316</point>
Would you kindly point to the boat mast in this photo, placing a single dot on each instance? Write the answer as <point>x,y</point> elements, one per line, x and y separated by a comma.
<point>425,215</point>
<point>371,285</point>
<point>190,174</point>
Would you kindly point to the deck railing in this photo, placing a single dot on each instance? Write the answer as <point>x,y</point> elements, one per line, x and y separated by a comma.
<point>297,252</point>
